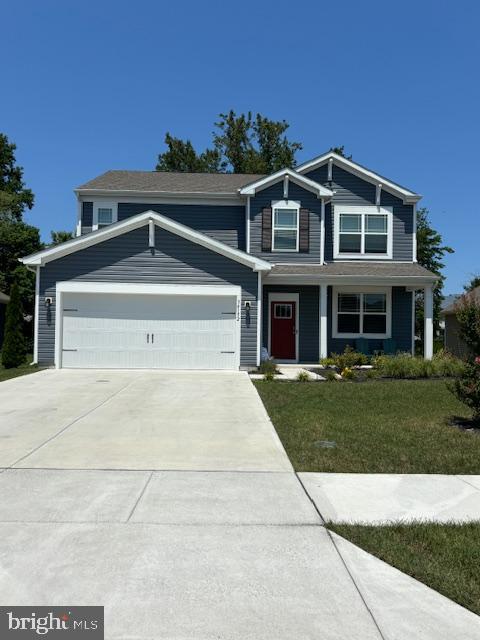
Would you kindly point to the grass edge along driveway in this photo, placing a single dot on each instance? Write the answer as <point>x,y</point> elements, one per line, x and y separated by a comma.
<point>445,557</point>
<point>400,426</point>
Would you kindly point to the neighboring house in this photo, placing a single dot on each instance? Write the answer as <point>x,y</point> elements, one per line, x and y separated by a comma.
<point>453,342</point>
<point>446,302</point>
<point>194,271</point>
<point>4,299</point>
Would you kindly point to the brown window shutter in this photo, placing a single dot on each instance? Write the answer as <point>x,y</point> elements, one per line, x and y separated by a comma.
<point>267,229</point>
<point>304,226</point>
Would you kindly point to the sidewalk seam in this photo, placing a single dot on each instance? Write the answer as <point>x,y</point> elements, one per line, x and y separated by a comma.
<point>140,496</point>
<point>357,588</point>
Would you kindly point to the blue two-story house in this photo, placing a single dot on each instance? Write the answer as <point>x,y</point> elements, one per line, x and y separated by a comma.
<point>202,271</point>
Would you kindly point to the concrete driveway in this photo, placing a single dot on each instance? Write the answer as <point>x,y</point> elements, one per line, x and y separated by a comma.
<point>169,500</point>
<point>77,419</point>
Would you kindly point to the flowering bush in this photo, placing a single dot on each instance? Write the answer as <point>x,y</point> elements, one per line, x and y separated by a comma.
<point>467,388</point>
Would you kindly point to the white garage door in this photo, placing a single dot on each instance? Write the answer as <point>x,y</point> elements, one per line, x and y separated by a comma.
<point>150,331</point>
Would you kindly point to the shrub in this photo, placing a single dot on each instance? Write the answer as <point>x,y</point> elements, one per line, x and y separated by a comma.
<point>14,348</point>
<point>404,365</point>
<point>268,366</point>
<point>348,374</point>
<point>349,358</point>
<point>327,362</point>
<point>303,376</point>
<point>269,376</point>
<point>329,376</point>
<point>467,388</point>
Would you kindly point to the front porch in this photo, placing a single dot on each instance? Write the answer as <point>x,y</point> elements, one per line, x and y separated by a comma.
<point>302,323</point>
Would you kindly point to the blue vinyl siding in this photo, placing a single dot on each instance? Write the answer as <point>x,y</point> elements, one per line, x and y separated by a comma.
<point>353,191</point>
<point>308,321</point>
<point>128,258</point>
<point>223,223</point>
<point>308,200</point>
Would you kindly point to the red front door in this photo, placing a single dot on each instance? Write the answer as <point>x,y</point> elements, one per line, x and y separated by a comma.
<point>283,333</point>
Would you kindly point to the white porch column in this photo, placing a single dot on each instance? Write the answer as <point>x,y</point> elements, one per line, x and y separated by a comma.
<point>323,320</point>
<point>428,319</point>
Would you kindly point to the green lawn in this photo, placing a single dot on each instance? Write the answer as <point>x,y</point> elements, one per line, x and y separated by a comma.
<point>6,374</point>
<point>446,557</point>
<point>378,427</point>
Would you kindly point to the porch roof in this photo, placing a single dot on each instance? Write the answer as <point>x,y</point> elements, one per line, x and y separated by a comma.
<point>409,273</point>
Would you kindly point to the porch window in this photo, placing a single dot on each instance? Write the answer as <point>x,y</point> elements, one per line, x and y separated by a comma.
<point>363,232</point>
<point>285,226</point>
<point>361,314</point>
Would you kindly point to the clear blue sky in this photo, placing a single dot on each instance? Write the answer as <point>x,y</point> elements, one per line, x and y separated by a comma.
<point>90,86</point>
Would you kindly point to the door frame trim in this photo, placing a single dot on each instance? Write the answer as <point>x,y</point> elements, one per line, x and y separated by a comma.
<point>129,288</point>
<point>284,297</point>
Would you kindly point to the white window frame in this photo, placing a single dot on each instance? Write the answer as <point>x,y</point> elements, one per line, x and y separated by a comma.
<point>363,211</point>
<point>286,204</point>
<point>362,290</point>
<point>104,205</point>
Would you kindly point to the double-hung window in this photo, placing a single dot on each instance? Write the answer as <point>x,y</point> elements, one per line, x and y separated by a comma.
<point>363,232</point>
<point>104,214</point>
<point>285,226</point>
<point>361,313</point>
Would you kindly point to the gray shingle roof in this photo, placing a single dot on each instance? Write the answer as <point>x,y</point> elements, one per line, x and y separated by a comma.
<point>473,295</point>
<point>369,269</point>
<point>170,182</point>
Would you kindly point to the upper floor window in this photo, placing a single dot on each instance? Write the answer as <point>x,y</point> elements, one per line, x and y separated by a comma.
<point>104,214</point>
<point>285,215</point>
<point>363,232</point>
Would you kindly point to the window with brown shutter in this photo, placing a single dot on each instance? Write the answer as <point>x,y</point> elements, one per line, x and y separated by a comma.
<point>267,229</point>
<point>304,229</point>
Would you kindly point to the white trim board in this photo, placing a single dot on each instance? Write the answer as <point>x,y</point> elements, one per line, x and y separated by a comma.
<point>135,222</point>
<point>362,172</point>
<point>284,297</point>
<point>252,188</point>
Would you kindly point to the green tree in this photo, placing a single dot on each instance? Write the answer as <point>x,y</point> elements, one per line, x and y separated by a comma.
<point>468,316</point>
<point>430,254</point>
<point>473,283</point>
<point>241,144</point>
<point>60,236</point>
<point>18,239</point>
<point>14,197</point>
<point>340,151</point>
<point>14,348</point>
<point>181,156</point>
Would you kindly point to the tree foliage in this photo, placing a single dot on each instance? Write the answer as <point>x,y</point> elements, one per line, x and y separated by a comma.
<point>18,239</point>
<point>243,143</point>
<point>14,197</point>
<point>473,283</point>
<point>13,349</point>
<point>60,236</point>
<point>430,254</point>
<point>468,316</point>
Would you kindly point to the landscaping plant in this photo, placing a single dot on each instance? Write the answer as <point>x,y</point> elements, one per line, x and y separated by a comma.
<point>14,348</point>
<point>467,387</point>
<point>302,376</point>
<point>268,366</point>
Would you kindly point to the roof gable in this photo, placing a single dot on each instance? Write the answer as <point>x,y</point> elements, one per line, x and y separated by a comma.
<point>134,222</point>
<point>289,174</point>
<point>362,172</point>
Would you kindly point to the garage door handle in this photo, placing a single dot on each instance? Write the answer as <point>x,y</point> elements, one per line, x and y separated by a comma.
<point>148,338</point>
<point>152,337</point>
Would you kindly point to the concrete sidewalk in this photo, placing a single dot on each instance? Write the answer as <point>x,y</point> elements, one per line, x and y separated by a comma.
<point>379,498</point>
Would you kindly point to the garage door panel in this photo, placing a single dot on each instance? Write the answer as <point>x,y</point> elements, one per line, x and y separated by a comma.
<point>150,331</point>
